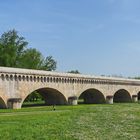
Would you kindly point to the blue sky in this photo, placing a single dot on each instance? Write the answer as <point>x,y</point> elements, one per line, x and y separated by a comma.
<point>99,37</point>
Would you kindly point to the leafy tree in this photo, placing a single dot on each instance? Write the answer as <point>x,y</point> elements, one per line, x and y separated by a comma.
<point>49,64</point>
<point>34,96</point>
<point>11,48</point>
<point>31,58</point>
<point>137,78</point>
<point>74,71</point>
<point>14,53</point>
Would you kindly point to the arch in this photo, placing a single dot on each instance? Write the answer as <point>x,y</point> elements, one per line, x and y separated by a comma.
<point>65,81</point>
<point>2,77</point>
<point>23,78</point>
<point>16,77</point>
<point>38,79</point>
<point>54,79</point>
<point>139,96</point>
<point>11,77</point>
<point>27,78</point>
<point>2,103</point>
<point>122,96</point>
<point>45,79</point>
<point>7,77</point>
<point>51,96</point>
<point>34,78</point>
<point>31,78</point>
<point>51,79</point>
<point>48,79</point>
<point>19,78</point>
<point>62,80</point>
<point>59,80</point>
<point>92,96</point>
<point>42,79</point>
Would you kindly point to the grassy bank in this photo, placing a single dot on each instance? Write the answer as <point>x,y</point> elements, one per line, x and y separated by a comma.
<point>83,122</point>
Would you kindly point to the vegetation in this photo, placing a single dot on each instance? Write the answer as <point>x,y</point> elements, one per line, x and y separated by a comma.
<point>82,122</point>
<point>137,78</point>
<point>14,53</point>
<point>74,71</point>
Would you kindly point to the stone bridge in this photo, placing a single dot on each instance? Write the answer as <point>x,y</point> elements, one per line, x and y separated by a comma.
<point>63,88</point>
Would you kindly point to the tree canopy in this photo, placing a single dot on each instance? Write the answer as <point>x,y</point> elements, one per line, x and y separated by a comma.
<point>74,71</point>
<point>14,53</point>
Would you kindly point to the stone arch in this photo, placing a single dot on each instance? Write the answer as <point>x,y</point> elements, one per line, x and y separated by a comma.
<point>3,77</point>
<point>19,78</point>
<point>59,80</point>
<point>51,79</point>
<point>34,78</point>
<point>45,79</point>
<point>92,96</point>
<point>2,103</point>
<point>54,80</point>
<point>42,79</point>
<point>16,77</point>
<point>73,81</point>
<point>139,96</point>
<point>23,78</point>
<point>122,96</point>
<point>31,78</point>
<point>11,77</point>
<point>38,79</point>
<point>27,78</point>
<point>51,96</point>
<point>65,81</point>
<point>7,77</point>
<point>48,79</point>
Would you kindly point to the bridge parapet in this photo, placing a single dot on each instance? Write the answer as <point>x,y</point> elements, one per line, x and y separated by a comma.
<point>63,88</point>
<point>55,77</point>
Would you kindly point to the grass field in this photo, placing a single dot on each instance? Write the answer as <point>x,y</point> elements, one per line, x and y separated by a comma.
<point>82,122</point>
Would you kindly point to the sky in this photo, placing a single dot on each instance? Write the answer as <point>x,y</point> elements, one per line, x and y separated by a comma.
<point>96,37</point>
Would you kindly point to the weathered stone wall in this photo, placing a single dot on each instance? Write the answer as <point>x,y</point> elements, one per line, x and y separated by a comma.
<point>19,83</point>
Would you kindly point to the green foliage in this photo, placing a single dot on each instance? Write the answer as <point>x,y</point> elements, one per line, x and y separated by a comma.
<point>11,48</point>
<point>74,71</point>
<point>33,97</point>
<point>31,58</point>
<point>14,53</point>
<point>49,64</point>
<point>137,78</point>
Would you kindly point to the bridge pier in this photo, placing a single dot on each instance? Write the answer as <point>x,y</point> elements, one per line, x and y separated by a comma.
<point>109,99</point>
<point>14,103</point>
<point>134,98</point>
<point>73,100</point>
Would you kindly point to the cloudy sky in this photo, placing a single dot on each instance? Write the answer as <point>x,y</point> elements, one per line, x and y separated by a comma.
<point>99,37</point>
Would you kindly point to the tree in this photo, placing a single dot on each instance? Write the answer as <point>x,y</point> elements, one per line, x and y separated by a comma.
<point>34,96</point>
<point>11,48</point>
<point>49,64</point>
<point>138,78</point>
<point>14,53</point>
<point>74,71</point>
<point>31,58</point>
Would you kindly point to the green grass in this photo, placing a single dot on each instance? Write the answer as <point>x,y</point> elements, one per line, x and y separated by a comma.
<point>82,122</point>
